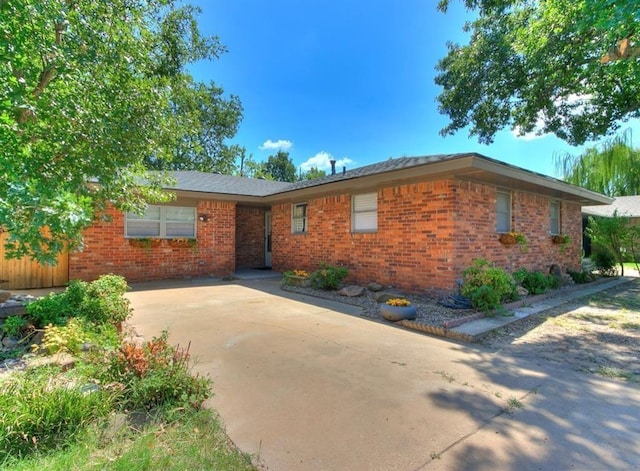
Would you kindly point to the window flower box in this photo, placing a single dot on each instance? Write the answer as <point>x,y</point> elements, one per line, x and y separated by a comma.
<point>560,239</point>
<point>182,242</point>
<point>145,243</point>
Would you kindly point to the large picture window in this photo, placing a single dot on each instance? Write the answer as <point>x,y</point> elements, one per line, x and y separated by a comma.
<point>162,221</point>
<point>503,211</point>
<point>299,218</point>
<point>365,212</point>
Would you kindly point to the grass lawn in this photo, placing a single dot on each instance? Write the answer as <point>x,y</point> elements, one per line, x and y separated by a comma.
<point>195,441</point>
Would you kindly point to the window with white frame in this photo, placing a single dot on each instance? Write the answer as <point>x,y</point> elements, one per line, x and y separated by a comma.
<point>299,218</point>
<point>554,218</point>
<point>365,212</point>
<point>503,211</point>
<point>163,222</point>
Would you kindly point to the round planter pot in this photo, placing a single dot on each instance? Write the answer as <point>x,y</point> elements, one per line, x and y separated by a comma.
<point>397,313</point>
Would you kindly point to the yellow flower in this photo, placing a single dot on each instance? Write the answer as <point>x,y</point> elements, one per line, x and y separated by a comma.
<point>302,273</point>
<point>399,302</point>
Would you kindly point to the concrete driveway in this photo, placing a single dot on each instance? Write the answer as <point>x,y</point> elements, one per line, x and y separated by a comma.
<point>303,385</point>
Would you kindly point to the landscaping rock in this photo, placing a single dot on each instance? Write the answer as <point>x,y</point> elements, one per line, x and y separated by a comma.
<point>383,297</point>
<point>522,291</point>
<point>375,287</point>
<point>4,295</point>
<point>9,342</point>
<point>352,291</point>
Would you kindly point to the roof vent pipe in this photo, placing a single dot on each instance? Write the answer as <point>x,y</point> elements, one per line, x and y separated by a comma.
<point>333,166</point>
<point>344,170</point>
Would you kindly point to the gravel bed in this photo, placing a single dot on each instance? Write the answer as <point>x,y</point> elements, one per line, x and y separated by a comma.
<point>429,310</point>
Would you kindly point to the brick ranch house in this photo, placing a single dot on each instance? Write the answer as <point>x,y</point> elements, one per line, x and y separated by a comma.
<point>412,222</point>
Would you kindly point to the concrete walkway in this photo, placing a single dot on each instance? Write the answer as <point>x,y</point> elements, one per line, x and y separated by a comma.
<point>302,386</point>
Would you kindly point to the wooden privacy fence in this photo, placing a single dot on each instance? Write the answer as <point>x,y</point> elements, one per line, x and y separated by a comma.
<point>27,274</point>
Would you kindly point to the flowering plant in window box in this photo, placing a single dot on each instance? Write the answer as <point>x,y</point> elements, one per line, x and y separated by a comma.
<point>511,238</point>
<point>560,239</point>
<point>145,242</point>
<point>183,242</point>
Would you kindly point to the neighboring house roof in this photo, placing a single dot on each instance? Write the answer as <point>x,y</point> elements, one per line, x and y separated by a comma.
<point>471,166</point>
<point>625,206</point>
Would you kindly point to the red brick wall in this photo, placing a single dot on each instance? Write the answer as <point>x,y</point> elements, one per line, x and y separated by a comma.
<point>249,237</point>
<point>476,236</point>
<point>107,251</point>
<point>427,234</point>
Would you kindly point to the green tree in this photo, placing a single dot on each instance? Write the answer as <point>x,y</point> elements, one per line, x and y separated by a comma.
<point>613,169</point>
<point>312,174</point>
<point>612,234</point>
<point>87,92</point>
<point>567,67</point>
<point>209,119</point>
<point>280,167</point>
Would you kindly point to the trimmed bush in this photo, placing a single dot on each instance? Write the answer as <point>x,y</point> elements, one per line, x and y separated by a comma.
<point>487,286</point>
<point>605,262</point>
<point>328,277</point>
<point>535,282</point>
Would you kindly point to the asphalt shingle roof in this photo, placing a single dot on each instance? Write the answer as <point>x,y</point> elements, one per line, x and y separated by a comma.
<point>225,184</point>
<point>625,205</point>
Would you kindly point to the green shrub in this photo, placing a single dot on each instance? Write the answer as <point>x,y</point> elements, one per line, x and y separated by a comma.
<point>581,276</point>
<point>104,302</point>
<point>14,326</point>
<point>101,301</point>
<point>155,374</point>
<point>328,277</point>
<point>535,282</point>
<point>50,309</point>
<point>39,413</point>
<point>605,262</point>
<point>78,331</point>
<point>487,286</point>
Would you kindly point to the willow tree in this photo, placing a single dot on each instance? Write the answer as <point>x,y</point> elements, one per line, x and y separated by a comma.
<point>612,169</point>
<point>567,67</point>
<point>86,93</point>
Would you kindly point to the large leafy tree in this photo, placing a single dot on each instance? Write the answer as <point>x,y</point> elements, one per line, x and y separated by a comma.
<point>612,169</point>
<point>87,90</point>
<point>280,167</point>
<point>210,118</point>
<point>567,67</point>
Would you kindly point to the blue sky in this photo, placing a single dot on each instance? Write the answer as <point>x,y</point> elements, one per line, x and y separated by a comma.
<point>349,80</point>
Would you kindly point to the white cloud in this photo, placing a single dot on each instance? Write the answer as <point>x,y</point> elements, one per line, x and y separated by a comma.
<point>577,103</point>
<point>281,144</point>
<point>321,162</point>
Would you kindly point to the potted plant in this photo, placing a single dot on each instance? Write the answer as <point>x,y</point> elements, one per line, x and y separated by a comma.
<point>296,278</point>
<point>397,309</point>
<point>563,240</point>
<point>512,238</point>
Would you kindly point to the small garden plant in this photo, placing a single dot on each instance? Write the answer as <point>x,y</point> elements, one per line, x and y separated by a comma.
<point>328,277</point>
<point>46,409</point>
<point>535,282</point>
<point>399,302</point>
<point>487,286</point>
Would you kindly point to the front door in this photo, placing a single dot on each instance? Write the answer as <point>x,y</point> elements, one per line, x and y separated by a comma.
<point>267,238</point>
